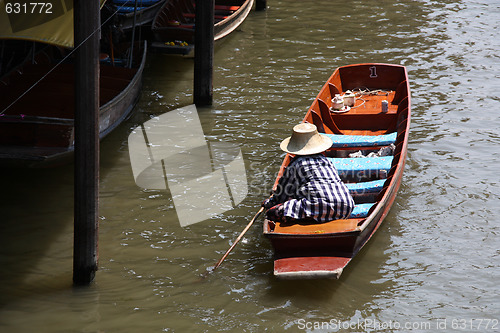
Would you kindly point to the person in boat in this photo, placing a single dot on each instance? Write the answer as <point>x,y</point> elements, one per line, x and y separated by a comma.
<point>310,187</point>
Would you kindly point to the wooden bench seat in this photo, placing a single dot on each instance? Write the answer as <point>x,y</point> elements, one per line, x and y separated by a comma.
<point>317,228</point>
<point>359,212</point>
<point>344,141</point>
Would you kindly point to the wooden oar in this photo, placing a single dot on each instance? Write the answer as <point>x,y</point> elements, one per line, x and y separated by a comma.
<point>238,239</point>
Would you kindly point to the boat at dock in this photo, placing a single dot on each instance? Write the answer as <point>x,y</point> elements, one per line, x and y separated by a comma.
<point>37,105</point>
<point>365,110</point>
<point>130,16</point>
<point>173,26</point>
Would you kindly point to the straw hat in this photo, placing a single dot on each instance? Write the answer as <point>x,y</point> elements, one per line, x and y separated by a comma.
<point>306,140</point>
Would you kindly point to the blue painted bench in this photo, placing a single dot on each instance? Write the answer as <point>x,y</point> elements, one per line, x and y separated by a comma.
<point>373,186</point>
<point>131,3</point>
<point>359,168</point>
<point>348,141</point>
<point>128,9</point>
<point>361,210</point>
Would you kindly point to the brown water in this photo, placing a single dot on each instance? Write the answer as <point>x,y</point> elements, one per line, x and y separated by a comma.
<point>433,266</point>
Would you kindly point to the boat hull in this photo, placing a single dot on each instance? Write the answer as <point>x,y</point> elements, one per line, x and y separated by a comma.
<point>174,23</point>
<point>33,140</point>
<point>313,250</point>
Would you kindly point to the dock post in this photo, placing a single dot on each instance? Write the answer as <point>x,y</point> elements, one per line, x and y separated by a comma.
<point>260,5</point>
<point>204,52</point>
<point>86,179</point>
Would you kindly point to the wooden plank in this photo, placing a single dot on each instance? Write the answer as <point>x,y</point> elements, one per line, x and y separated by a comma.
<point>204,53</point>
<point>317,228</point>
<point>86,22</point>
<point>310,267</point>
<point>260,5</point>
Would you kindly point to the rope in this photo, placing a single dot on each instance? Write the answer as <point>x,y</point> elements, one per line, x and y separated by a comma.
<point>363,91</point>
<point>62,60</point>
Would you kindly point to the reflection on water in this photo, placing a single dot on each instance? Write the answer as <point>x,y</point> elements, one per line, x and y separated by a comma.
<point>434,260</point>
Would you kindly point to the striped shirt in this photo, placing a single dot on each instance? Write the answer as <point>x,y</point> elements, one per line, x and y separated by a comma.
<point>311,188</point>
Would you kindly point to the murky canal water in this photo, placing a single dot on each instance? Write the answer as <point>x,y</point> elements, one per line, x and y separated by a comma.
<point>433,266</point>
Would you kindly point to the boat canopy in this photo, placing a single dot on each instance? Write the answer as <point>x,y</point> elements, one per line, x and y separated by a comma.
<point>46,22</point>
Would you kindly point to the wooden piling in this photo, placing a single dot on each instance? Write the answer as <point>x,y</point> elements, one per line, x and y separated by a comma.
<point>260,5</point>
<point>86,23</point>
<point>204,52</point>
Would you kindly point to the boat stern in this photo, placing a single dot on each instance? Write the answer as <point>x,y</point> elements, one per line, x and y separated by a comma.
<point>295,268</point>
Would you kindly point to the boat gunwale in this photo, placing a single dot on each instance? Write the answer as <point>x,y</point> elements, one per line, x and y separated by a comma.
<point>134,83</point>
<point>221,28</point>
<point>232,22</point>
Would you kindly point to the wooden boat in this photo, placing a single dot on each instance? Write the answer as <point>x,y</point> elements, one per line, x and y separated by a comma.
<point>37,128</point>
<point>144,13</point>
<point>173,26</point>
<point>379,121</point>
